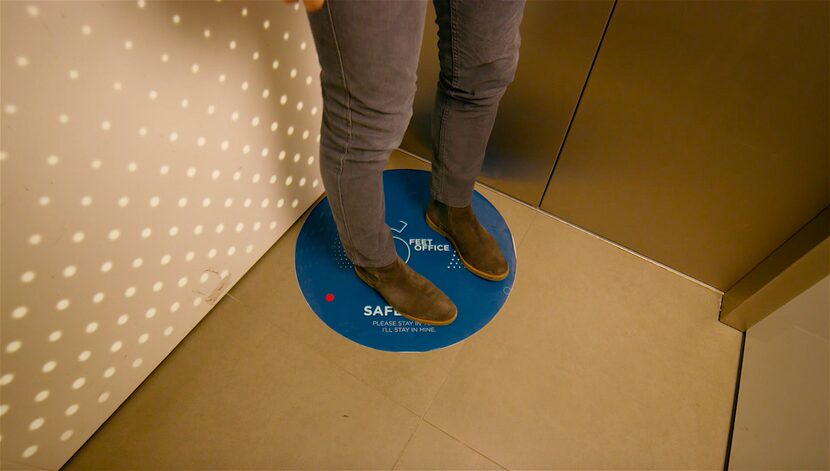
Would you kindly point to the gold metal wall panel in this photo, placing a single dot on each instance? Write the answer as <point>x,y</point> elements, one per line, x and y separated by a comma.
<point>559,40</point>
<point>701,140</point>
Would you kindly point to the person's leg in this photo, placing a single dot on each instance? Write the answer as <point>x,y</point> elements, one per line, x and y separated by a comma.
<point>368,53</point>
<point>478,45</point>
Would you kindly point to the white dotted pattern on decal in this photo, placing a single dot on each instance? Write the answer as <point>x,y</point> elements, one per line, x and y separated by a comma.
<point>144,171</point>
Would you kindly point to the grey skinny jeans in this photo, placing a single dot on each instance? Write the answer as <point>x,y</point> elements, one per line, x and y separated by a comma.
<point>368,52</point>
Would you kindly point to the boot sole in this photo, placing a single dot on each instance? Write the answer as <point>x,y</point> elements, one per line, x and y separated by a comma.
<point>474,270</point>
<point>408,316</point>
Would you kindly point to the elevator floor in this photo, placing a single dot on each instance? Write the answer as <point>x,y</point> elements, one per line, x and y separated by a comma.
<point>599,359</point>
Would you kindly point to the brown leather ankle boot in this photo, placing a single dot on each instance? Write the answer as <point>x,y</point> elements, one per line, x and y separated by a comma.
<point>409,293</point>
<point>476,248</point>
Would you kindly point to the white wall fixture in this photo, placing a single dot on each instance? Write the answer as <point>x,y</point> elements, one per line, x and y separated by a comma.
<point>150,153</point>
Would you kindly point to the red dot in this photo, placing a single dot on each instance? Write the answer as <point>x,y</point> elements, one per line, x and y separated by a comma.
<point>329,297</point>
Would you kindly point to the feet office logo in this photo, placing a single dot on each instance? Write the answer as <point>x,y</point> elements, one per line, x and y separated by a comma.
<point>357,312</point>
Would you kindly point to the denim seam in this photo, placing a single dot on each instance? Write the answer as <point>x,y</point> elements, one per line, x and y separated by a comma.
<point>349,130</point>
<point>453,82</point>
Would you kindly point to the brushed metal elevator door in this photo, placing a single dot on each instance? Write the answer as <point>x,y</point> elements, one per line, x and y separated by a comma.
<point>701,140</point>
<point>559,41</point>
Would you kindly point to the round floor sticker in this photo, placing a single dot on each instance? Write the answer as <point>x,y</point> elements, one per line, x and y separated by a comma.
<point>355,310</point>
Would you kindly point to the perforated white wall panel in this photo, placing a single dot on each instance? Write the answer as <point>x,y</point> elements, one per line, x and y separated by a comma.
<point>151,153</point>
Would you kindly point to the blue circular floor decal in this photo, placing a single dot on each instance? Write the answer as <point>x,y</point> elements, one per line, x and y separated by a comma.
<point>356,311</point>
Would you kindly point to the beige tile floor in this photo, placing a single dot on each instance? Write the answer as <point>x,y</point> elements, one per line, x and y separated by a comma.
<point>599,359</point>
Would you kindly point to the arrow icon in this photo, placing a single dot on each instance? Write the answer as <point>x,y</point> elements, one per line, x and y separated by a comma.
<point>401,229</point>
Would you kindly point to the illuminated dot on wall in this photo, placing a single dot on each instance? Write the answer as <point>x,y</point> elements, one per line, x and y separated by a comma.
<point>10,108</point>
<point>246,149</point>
<point>194,68</point>
<point>200,141</point>
<point>62,304</point>
<point>292,73</point>
<point>266,24</point>
<point>274,126</point>
<point>63,118</point>
<point>86,200</point>
<point>137,262</point>
<point>165,259</point>
<point>84,355</point>
<point>283,99</point>
<point>141,3</point>
<point>48,366</point>
<point>52,160</point>
<point>150,313</point>
<point>106,266</point>
<point>117,86</point>
<point>153,94</point>
<point>235,116</point>
<point>66,435</point>
<point>215,174</point>
<point>128,44</point>
<point>6,379</point>
<point>211,253</point>
<point>98,297</point>
<point>289,180</point>
<point>219,228</point>
<point>35,239</point>
<point>143,337</point>
<point>164,169</point>
<point>37,423</point>
<point>32,10</point>
<point>285,36</point>
<point>109,371</point>
<point>290,130</point>
<point>78,237</point>
<point>91,327</point>
<point>13,346</point>
<point>72,409</point>
<point>198,229</point>
<point>232,44</point>
<point>281,156</point>
<point>20,312</point>
<point>255,55</point>
<point>122,319</point>
<point>27,277</point>
<point>86,30</point>
<point>116,346</point>
<point>165,57</point>
<point>123,201</point>
<point>103,396</point>
<point>310,160</point>
<point>157,286</point>
<point>275,65</point>
<point>78,383</point>
<point>211,109</point>
<point>154,201</point>
<point>206,33</point>
<point>73,74</point>
<point>265,93</point>
<point>132,166</point>
<point>29,451</point>
<point>70,271</point>
<point>55,336</point>
<point>42,395</point>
